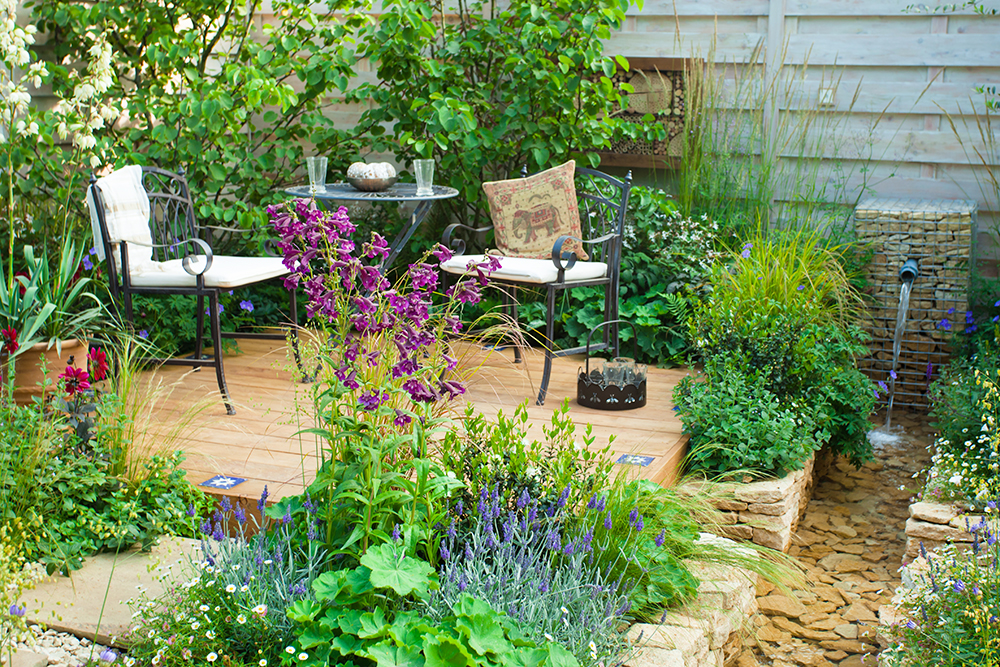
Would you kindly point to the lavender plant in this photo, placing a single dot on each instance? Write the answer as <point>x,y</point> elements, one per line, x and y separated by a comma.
<point>233,606</point>
<point>952,609</point>
<point>385,374</point>
<point>543,568</point>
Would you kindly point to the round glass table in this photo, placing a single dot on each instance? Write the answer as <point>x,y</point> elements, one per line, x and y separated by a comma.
<point>400,192</point>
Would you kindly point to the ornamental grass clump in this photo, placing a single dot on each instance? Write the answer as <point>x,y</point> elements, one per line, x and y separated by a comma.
<point>230,602</point>
<point>544,568</point>
<point>952,608</point>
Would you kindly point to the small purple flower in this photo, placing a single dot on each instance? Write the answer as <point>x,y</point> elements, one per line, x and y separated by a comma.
<point>552,541</point>
<point>563,497</point>
<point>968,317</point>
<point>263,499</point>
<point>892,374</point>
<point>442,253</point>
<point>911,625</point>
<point>241,515</point>
<point>190,510</point>
<point>746,250</point>
<point>882,386</point>
<point>87,264</point>
<point>945,324</point>
<point>930,371</point>
<point>401,419</point>
<point>958,585</point>
<point>445,553</point>
<point>997,304</point>
<point>217,534</point>
<point>660,537</point>
<point>633,515</point>
<point>639,524</point>
<point>208,311</point>
<point>951,311</point>
<point>143,333</point>
<point>93,251</point>
<point>523,499</point>
<point>246,305</point>
<point>607,521</point>
<point>396,535</point>
<point>800,288</point>
<point>107,655</point>
<point>287,519</point>
<point>370,400</point>
<point>18,612</point>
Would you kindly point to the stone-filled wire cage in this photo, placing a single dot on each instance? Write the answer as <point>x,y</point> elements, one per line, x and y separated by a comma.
<point>939,234</point>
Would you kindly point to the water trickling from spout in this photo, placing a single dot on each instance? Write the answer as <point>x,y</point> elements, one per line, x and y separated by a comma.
<point>904,306</point>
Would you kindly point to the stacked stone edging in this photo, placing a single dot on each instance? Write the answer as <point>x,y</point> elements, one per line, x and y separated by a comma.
<point>936,524</point>
<point>768,512</point>
<point>709,630</point>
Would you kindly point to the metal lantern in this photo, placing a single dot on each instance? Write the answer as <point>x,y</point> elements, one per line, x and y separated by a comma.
<point>620,385</point>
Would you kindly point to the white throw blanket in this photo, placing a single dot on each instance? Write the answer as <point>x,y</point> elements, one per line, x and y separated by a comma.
<point>126,211</point>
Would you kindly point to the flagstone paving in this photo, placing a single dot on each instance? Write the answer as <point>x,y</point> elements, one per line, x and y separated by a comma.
<point>851,543</point>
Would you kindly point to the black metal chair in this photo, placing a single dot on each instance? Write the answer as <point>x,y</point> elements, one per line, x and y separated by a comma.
<point>602,201</point>
<point>167,255</point>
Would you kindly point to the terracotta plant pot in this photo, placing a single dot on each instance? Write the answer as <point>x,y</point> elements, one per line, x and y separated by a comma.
<point>28,374</point>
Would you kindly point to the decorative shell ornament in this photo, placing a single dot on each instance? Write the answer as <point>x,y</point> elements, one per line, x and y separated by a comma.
<point>371,177</point>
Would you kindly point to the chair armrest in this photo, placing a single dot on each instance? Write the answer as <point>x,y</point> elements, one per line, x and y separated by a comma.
<point>457,245</point>
<point>557,252</point>
<point>185,262</point>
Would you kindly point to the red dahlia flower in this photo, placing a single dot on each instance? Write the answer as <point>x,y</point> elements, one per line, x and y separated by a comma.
<point>76,380</point>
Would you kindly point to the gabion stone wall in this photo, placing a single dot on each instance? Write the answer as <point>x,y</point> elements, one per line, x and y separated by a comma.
<point>939,234</point>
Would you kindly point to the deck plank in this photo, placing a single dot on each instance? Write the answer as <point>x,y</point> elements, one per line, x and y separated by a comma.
<point>260,443</point>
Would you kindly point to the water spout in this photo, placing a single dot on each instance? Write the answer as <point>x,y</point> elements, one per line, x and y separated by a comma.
<point>907,274</point>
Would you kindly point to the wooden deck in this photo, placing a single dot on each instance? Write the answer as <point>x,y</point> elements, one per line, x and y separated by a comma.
<point>260,443</point>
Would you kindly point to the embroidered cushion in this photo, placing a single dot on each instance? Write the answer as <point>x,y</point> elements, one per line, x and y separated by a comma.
<point>529,214</point>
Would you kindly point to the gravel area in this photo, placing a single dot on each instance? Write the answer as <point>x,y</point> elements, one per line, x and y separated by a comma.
<point>62,648</point>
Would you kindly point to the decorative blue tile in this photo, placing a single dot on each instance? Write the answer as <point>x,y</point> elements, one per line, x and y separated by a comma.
<point>222,482</point>
<point>634,460</point>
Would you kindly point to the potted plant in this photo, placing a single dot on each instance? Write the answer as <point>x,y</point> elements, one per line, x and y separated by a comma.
<point>45,316</point>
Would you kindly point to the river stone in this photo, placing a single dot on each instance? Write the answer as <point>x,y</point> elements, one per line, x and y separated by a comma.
<point>781,605</point>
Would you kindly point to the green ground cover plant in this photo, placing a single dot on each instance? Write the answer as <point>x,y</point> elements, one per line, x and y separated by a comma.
<point>74,483</point>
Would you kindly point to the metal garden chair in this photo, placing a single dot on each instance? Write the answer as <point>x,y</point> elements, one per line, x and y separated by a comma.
<point>144,221</point>
<point>526,219</point>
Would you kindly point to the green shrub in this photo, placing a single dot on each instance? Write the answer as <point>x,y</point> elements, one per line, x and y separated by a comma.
<point>738,426</point>
<point>204,90</point>
<point>454,90</point>
<point>957,396</point>
<point>779,350</point>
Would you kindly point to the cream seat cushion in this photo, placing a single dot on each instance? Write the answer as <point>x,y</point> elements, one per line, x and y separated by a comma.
<point>226,272</point>
<point>526,270</point>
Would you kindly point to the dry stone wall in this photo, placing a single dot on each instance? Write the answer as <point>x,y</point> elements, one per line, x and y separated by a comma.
<point>936,524</point>
<point>709,630</point>
<point>767,512</point>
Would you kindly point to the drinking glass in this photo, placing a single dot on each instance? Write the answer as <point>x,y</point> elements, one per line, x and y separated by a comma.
<point>424,171</point>
<point>317,173</point>
<point>614,373</point>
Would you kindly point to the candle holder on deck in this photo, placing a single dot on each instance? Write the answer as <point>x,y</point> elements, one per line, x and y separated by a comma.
<point>621,385</point>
